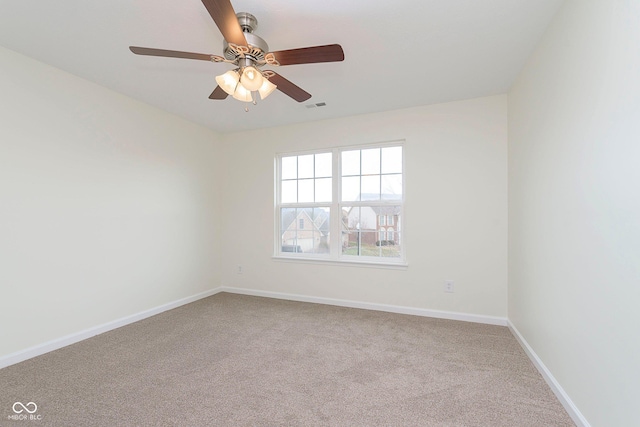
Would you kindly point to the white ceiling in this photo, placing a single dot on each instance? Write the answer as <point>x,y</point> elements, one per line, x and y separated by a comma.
<point>398,54</point>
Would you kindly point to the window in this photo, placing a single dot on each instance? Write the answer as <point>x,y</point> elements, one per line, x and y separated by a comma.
<point>342,205</point>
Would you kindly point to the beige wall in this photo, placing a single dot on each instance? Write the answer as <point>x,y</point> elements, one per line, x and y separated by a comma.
<point>574,206</point>
<point>111,207</point>
<point>455,216</point>
<point>108,207</point>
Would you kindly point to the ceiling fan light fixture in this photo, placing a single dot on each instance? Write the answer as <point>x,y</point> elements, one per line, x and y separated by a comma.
<point>248,53</point>
<point>228,81</point>
<point>242,94</point>
<point>251,78</point>
<point>266,88</point>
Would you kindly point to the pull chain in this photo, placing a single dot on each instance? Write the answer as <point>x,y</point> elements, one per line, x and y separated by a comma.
<point>254,101</point>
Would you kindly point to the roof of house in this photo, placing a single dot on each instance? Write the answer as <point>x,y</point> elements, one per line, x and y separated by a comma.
<point>319,218</point>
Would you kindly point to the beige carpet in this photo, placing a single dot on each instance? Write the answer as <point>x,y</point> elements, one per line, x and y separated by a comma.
<point>232,360</point>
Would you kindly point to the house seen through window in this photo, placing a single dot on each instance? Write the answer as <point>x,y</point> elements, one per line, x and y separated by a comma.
<point>342,204</point>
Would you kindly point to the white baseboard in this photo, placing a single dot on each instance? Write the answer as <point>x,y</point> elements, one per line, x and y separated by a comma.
<point>46,347</point>
<point>562,396</point>
<point>475,318</point>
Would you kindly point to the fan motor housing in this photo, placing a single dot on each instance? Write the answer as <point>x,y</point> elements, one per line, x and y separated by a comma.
<point>257,46</point>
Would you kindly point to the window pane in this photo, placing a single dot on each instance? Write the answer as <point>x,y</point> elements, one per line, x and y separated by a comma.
<point>392,187</point>
<point>351,189</point>
<point>289,167</point>
<point>318,246</point>
<point>323,190</point>
<point>359,235</point>
<point>289,191</point>
<point>351,162</point>
<point>392,160</point>
<point>305,230</point>
<point>287,215</point>
<point>371,161</point>
<point>368,219</point>
<point>305,166</point>
<point>288,230</point>
<point>321,228</point>
<point>351,225</point>
<point>305,190</point>
<point>368,245</point>
<point>363,235</point>
<point>351,217</point>
<point>391,248</point>
<point>323,165</point>
<point>370,187</point>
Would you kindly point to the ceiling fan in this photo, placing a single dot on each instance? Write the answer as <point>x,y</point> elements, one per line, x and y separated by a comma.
<point>249,53</point>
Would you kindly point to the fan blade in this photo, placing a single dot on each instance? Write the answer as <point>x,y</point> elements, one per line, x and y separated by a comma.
<point>288,88</point>
<point>218,93</point>
<point>172,53</point>
<point>307,55</point>
<point>225,18</point>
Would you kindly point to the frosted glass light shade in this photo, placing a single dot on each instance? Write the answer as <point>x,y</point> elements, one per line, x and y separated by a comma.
<point>242,94</point>
<point>228,81</point>
<point>251,78</point>
<point>266,88</point>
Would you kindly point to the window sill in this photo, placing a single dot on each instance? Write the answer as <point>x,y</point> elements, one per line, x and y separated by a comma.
<point>345,263</point>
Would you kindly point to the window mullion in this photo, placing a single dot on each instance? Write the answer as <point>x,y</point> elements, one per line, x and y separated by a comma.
<point>297,178</point>
<point>336,214</point>
<point>380,173</point>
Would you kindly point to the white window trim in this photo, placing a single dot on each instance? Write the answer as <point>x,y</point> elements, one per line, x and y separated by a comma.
<point>335,256</point>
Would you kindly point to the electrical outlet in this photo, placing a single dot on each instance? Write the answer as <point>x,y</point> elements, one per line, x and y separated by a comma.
<point>239,269</point>
<point>448,286</point>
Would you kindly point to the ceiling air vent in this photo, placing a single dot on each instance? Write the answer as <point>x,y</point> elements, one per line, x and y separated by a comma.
<point>317,104</point>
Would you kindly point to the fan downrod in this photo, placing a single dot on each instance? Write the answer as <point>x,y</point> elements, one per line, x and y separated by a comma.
<point>247,22</point>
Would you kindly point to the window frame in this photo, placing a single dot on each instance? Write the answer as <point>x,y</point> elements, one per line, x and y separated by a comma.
<point>335,207</point>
